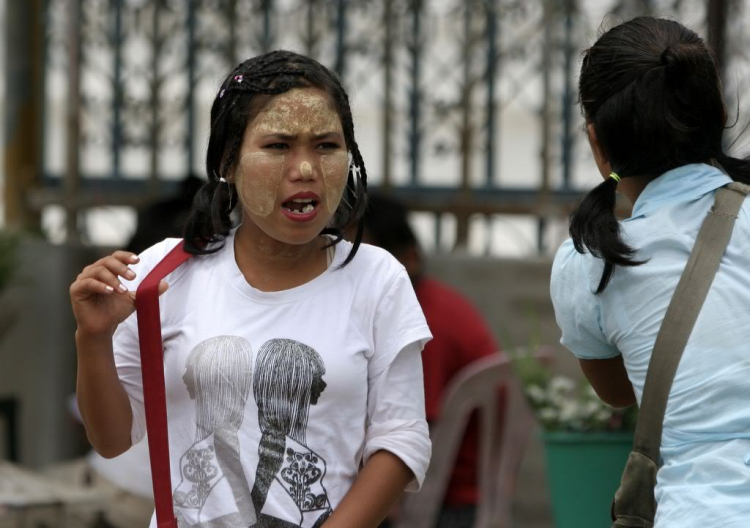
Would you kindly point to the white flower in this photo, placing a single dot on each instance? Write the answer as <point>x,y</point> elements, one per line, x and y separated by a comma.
<point>548,414</point>
<point>591,408</point>
<point>571,410</point>
<point>536,393</point>
<point>560,384</point>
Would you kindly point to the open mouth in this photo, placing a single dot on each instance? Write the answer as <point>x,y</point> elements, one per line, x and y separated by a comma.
<point>300,205</point>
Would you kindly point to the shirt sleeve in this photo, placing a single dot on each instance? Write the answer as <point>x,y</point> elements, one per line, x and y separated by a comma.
<point>395,400</point>
<point>577,308</point>
<point>398,321</point>
<point>128,362</point>
<point>396,414</point>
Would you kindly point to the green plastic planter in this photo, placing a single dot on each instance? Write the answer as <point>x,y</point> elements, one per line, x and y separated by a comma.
<point>584,471</point>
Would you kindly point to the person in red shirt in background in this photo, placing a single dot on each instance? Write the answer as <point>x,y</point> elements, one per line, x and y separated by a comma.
<point>460,336</point>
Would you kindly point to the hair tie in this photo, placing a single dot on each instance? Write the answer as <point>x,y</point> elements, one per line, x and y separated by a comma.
<point>615,176</point>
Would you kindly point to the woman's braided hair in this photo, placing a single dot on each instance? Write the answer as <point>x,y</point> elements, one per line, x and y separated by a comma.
<point>241,97</point>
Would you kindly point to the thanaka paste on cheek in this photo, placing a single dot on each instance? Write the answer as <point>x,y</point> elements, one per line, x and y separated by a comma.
<point>335,168</point>
<point>257,180</point>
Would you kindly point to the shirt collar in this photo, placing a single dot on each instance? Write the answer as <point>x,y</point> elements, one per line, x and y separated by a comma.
<point>682,184</point>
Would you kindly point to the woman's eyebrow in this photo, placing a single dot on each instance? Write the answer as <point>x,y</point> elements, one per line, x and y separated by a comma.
<point>327,134</point>
<point>290,137</point>
<point>279,135</point>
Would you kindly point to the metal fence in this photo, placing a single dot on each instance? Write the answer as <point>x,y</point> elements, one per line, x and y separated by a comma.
<point>464,109</point>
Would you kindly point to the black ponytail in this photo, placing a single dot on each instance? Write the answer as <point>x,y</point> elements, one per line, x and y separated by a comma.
<point>239,100</point>
<point>594,227</point>
<point>652,92</point>
<point>736,168</point>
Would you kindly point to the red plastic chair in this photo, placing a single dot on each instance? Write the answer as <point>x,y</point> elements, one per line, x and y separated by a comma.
<point>504,435</point>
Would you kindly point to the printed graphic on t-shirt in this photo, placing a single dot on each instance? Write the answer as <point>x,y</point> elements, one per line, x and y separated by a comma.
<point>289,490</point>
<point>218,377</point>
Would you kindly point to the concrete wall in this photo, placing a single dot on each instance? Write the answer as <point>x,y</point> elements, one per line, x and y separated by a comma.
<point>37,354</point>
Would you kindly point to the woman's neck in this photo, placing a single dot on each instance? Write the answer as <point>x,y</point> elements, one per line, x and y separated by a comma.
<point>270,265</point>
<point>632,187</point>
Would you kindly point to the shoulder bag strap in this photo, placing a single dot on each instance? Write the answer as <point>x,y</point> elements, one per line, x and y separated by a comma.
<point>152,367</point>
<point>682,313</point>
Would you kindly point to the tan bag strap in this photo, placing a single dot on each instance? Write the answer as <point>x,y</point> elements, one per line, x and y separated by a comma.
<point>687,301</point>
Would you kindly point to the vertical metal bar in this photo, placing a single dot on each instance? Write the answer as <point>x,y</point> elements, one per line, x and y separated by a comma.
<point>438,232</point>
<point>567,101</point>
<point>153,182</point>
<point>546,110</point>
<point>541,230</point>
<point>415,95</point>
<point>492,132</point>
<point>73,167</point>
<point>267,36</point>
<point>341,50</point>
<point>716,20</point>
<point>387,89</point>
<point>190,98</point>
<point>311,38</point>
<point>546,116</point>
<point>117,97</point>
<point>467,129</point>
<point>23,162</point>
<point>231,48</point>
<point>491,72</point>
<point>489,222</point>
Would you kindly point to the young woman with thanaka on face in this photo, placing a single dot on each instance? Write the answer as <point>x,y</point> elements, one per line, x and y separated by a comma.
<point>282,149</point>
<point>291,174</point>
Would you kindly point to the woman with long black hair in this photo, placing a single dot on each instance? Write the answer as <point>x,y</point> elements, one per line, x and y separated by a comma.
<point>655,119</point>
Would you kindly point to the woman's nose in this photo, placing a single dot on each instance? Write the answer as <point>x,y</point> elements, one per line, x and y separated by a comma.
<point>305,171</point>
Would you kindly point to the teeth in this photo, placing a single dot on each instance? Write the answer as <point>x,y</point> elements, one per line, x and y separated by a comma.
<point>308,208</point>
<point>303,200</point>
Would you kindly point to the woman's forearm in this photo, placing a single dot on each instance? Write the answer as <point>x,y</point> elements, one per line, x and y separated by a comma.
<point>102,401</point>
<point>377,488</point>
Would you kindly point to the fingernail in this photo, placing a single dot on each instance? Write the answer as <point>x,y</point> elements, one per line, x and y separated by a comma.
<point>134,258</point>
<point>123,288</point>
<point>110,289</point>
<point>130,274</point>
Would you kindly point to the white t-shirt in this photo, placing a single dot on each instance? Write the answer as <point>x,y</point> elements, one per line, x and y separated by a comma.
<point>276,399</point>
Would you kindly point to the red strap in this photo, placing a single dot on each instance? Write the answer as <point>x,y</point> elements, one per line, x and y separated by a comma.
<point>152,366</point>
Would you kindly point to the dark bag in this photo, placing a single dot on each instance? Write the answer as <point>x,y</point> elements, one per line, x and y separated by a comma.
<point>634,504</point>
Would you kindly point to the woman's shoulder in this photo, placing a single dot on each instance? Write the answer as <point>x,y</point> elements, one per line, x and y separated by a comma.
<point>372,262</point>
<point>573,271</point>
<point>149,258</point>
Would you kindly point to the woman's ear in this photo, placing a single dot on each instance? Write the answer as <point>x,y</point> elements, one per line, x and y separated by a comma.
<point>600,157</point>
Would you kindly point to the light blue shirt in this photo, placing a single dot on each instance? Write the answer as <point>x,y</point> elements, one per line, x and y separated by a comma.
<point>705,476</point>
